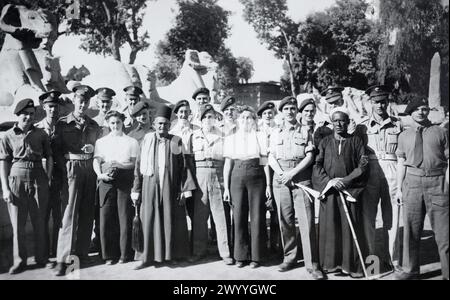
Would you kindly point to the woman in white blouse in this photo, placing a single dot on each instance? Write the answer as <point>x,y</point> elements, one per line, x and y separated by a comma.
<point>246,183</point>
<point>114,161</point>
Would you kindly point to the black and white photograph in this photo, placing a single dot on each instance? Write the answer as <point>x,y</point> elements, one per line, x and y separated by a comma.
<point>226,141</point>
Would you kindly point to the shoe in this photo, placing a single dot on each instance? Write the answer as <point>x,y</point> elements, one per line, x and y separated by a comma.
<point>60,269</point>
<point>228,261</point>
<point>406,276</point>
<point>317,274</point>
<point>240,264</point>
<point>109,262</point>
<point>284,267</point>
<point>124,261</point>
<point>254,265</point>
<point>50,265</point>
<point>16,269</point>
<point>142,266</point>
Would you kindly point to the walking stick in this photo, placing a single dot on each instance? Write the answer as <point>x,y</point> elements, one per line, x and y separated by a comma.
<point>353,234</point>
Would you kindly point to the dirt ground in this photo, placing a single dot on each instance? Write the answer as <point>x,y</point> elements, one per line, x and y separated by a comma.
<point>211,268</point>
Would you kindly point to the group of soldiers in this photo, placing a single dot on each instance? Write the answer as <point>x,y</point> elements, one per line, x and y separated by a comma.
<point>187,164</point>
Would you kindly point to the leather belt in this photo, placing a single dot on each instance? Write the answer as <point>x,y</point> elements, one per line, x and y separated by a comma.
<point>249,163</point>
<point>209,163</point>
<point>72,156</point>
<point>24,164</point>
<point>382,156</point>
<point>425,173</point>
<point>289,163</point>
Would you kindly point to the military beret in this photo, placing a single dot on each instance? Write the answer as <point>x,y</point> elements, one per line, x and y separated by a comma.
<point>227,102</point>
<point>333,94</point>
<point>287,100</point>
<point>164,111</point>
<point>133,90</point>
<point>105,94</point>
<point>139,107</point>
<point>50,97</point>
<point>179,104</point>
<point>23,104</point>
<point>206,108</point>
<point>84,91</point>
<point>416,102</point>
<point>114,113</point>
<point>198,91</point>
<point>378,93</point>
<point>265,106</point>
<point>305,103</point>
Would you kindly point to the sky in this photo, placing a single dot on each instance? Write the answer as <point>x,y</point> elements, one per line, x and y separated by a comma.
<point>159,18</point>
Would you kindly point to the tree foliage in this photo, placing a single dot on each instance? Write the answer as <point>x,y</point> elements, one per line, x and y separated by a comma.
<point>200,25</point>
<point>422,30</point>
<point>245,69</point>
<point>274,29</point>
<point>104,25</point>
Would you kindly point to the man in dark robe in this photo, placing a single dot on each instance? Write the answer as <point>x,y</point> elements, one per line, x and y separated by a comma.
<point>163,183</point>
<point>341,164</point>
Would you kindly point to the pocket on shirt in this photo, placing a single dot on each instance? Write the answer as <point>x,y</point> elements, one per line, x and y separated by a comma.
<point>392,138</point>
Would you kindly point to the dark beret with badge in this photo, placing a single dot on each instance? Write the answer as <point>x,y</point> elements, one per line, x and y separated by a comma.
<point>133,91</point>
<point>205,109</point>
<point>50,97</point>
<point>227,102</point>
<point>333,94</point>
<point>23,104</point>
<point>84,91</point>
<point>164,111</point>
<point>180,104</point>
<point>305,103</point>
<point>378,93</point>
<point>199,91</point>
<point>265,106</point>
<point>287,100</point>
<point>105,94</point>
<point>138,108</point>
<point>416,102</point>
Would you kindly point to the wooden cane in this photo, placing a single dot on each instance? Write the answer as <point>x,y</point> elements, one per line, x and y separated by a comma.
<point>353,234</point>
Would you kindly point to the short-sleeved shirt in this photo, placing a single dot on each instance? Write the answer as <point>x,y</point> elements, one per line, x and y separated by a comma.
<point>435,147</point>
<point>207,145</point>
<point>185,133</point>
<point>380,137</point>
<point>243,145</point>
<point>116,148</point>
<point>289,142</point>
<point>73,134</point>
<point>33,145</point>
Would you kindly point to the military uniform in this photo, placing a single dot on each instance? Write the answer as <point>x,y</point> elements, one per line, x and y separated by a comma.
<point>139,131</point>
<point>28,184</point>
<point>288,146</point>
<point>381,139</point>
<point>132,93</point>
<point>208,152</point>
<point>72,135</point>
<point>274,233</point>
<point>425,191</point>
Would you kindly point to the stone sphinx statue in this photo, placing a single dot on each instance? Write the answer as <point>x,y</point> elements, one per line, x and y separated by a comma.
<point>27,66</point>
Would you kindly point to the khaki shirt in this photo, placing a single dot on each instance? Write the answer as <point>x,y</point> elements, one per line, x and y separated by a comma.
<point>207,145</point>
<point>33,145</point>
<point>289,142</point>
<point>380,138</point>
<point>185,133</point>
